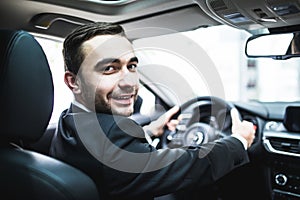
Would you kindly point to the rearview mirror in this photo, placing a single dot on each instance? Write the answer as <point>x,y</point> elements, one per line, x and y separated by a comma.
<point>277,46</point>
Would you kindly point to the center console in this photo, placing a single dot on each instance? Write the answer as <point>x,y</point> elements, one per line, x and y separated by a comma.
<point>285,180</point>
<point>282,141</point>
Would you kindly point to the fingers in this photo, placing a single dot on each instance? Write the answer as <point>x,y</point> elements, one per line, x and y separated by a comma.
<point>235,117</point>
<point>157,126</point>
<point>170,113</point>
<point>243,128</point>
<point>172,124</point>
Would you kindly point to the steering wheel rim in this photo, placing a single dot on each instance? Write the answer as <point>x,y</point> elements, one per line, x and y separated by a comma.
<point>218,100</point>
<point>218,107</point>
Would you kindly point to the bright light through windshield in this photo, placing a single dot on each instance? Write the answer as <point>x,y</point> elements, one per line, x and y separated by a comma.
<point>261,79</point>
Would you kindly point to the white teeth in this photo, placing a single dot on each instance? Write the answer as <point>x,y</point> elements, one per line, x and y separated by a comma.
<point>124,97</point>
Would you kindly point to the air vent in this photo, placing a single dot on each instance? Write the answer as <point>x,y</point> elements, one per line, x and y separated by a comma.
<point>285,145</point>
<point>281,142</point>
<point>218,5</point>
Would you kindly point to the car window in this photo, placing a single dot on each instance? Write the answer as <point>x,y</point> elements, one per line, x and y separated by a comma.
<point>62,95</point>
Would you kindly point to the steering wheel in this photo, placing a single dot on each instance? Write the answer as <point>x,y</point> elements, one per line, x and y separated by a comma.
<point>204,119</point>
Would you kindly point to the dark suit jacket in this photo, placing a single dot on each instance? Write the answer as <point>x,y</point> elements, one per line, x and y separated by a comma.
<point>113,151</point>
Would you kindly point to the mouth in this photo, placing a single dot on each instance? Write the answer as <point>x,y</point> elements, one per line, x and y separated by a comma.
<point>124,99</point>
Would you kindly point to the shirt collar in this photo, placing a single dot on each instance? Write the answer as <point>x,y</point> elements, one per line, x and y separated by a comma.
<point>81,106</point>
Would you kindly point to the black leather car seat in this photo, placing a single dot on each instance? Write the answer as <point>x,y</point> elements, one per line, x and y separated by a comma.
<point>26,102</point>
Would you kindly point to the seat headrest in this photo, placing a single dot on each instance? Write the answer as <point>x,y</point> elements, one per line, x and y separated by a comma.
<point>26,87</point>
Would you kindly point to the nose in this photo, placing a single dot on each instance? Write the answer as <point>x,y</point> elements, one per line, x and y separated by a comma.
<point>128,79</point>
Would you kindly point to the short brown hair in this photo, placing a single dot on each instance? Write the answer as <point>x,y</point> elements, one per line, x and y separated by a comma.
<point>72,52</point>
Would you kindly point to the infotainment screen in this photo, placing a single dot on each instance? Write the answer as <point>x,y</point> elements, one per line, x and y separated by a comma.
<point>292,118</point>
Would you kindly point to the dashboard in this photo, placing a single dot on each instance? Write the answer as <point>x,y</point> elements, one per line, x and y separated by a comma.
<point>277,147</point>
<point>274,169</point>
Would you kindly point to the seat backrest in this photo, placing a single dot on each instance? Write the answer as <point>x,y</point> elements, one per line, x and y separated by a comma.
<point>26,99</point>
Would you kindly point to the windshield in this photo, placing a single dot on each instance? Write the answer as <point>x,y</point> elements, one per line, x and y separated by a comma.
<point>244,79</point>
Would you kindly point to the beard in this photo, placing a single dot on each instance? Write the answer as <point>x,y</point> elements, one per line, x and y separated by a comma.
<point>99,101</point>
<point>103,105</point>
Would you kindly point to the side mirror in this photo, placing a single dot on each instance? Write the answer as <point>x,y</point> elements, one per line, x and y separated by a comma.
<point>278,46</point>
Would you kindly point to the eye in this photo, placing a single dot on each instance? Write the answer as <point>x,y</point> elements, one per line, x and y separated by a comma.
<point>132,67</point>
<point>109,69</point>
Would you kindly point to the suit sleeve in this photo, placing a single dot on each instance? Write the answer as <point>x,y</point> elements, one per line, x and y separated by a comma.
<point>133,168</point>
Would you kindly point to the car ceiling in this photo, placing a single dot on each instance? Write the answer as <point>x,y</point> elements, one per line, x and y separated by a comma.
<point>255,14</point>
<point>59,17</point>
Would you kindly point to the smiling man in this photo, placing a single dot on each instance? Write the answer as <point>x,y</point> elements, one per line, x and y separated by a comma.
<point>108,80</point>
<point>96,135</point>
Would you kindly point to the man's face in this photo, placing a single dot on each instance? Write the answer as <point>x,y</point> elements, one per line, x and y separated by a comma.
<point>108,78</point>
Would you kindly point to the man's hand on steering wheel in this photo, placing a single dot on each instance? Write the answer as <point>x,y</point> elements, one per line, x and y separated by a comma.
<point>156,128</point>
<point>242,129</point>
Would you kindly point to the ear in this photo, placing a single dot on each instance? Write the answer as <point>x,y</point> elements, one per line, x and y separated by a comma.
<point>72,82</point>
